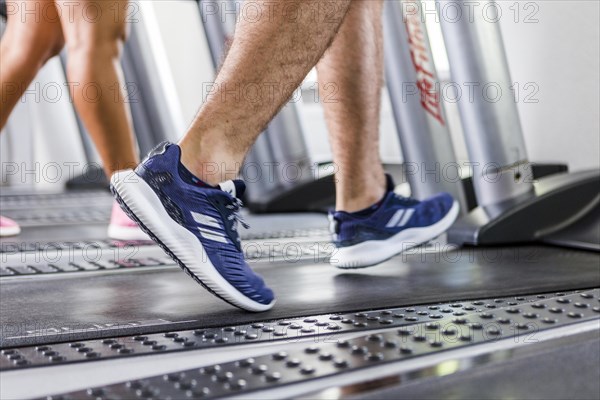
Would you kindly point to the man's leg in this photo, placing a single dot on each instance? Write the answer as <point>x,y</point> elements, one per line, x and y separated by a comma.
<point>33,35</point>
<point>95,32</point>
<point>196,223</point>
<point>352,68</point>
<point>269,57</point>
<point>372,223</point>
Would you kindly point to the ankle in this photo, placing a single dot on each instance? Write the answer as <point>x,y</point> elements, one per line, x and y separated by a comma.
<point>211,164</point>
<point>355,202</point>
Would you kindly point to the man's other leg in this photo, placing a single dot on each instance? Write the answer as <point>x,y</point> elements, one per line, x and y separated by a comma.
<point>350,78</point>
<point>371,222</point>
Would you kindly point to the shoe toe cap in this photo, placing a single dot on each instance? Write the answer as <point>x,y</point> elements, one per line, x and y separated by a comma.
<point>443,200</point>
<point>439,205</point>
<point>250,284</point>
<point>262,293</point>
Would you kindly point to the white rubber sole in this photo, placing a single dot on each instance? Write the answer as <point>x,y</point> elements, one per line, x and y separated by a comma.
<point>144,207</point>
<point>374,252</point>
<point>10,231</point>
<point>122,233</point>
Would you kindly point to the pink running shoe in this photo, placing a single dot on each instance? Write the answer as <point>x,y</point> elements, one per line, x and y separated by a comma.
<point>123,228</point>
<point>8,227</point>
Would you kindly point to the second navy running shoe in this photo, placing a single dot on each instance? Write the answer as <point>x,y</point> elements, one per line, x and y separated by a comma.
<point>195,223</point>
<point>393,225</point>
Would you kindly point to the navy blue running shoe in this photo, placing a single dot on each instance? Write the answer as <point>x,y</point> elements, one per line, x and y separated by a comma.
<point>390,227</point>
<point>195,223</point>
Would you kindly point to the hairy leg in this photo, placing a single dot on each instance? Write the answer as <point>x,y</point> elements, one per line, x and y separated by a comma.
<point>353,67</point>
<point>33,35</point>
<point>268,59</point>
<point>95,31</point>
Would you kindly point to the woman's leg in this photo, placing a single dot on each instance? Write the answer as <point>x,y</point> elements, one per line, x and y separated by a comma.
<point>95,31</point>
<point>30,39</point>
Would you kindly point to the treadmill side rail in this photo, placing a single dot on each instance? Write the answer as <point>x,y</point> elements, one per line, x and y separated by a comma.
<point>558,202</point>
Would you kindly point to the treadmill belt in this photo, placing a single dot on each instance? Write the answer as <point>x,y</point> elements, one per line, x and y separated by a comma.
<point>82,246</point>
<point>261,227</point>
<point>35,310</point>
<point>35,218</point>
<point>41,236</point>
<point>132,255</point>
<point>50,209</point>
<point>11,200</point>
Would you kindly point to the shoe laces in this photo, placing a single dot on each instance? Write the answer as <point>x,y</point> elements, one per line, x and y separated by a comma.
<point>235,215</point>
